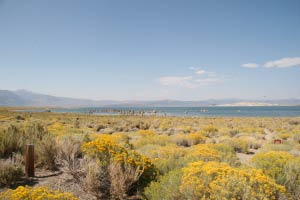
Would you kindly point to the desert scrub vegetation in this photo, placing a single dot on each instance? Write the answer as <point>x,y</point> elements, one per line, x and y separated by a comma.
<point>107,151</point>
<point>283,167</point>
<point>272,163</point>
<point>188,140</point>
<point>11,170</point>
<point>105,168</point>
<point>214,180</point>
<point>13,139</point>
<point>152,157</point>
<point>35,193</point>
<point>292,178</point>
<point>167,186</point>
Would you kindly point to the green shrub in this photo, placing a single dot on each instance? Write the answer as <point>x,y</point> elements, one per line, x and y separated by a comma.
<point>13,139</point>
<point>165,158</point>
<point>284,136</point>
<point>187,140</point>
<point>227,154</point>
<point>296,137</point>
<point>239,145</point>
<point>10,171</point>
<point>10,141</point>
<point>292,178</point>
<point>272,163</point>
<point>167,187</point>
<point>33,133</point>
<point>275,147</point>
<point>142,140</point>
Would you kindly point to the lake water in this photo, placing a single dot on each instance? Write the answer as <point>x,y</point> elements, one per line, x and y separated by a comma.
<point>270,111</point>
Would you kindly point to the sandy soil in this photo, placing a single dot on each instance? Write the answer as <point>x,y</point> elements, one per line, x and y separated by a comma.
<point>245,158</point>
<point>55,180</point>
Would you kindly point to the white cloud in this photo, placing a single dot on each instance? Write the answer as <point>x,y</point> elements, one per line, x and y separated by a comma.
<point>192,68</point>
<point>250,65</point>
<point>200,72</point>
<point>187,81</point>
<point>198,79</point>
<point>283,63</point>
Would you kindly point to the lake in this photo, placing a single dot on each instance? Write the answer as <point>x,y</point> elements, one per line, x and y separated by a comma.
<point>268,111</point>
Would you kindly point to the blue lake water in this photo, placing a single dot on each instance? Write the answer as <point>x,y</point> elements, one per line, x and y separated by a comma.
<point>269,111</point>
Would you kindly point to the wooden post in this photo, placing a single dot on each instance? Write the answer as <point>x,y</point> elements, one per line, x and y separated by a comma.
<point>29,160</point>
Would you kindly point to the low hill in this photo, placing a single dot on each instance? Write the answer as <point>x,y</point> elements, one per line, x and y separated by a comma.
<point>28,98</point>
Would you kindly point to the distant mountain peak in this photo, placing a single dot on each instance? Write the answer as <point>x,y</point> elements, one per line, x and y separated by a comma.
<point>23,91</point>
<point>24,97</point>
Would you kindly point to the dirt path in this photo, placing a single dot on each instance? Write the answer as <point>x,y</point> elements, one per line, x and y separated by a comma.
<point>269,135</point>
<point>55,180</point>
<point>60,181</point>
<point>245,158</point>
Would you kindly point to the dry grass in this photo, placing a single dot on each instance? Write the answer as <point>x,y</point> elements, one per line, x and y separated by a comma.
<point>11,170</point>
<point>123,180</point>
<point>46,152</point>
<point>166,140</point>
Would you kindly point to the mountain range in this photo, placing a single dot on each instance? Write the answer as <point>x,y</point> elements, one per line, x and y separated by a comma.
<point>28,98</point>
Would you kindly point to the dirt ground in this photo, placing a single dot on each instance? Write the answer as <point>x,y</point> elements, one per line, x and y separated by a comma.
<point>55,180</point>
<point>245,158</point>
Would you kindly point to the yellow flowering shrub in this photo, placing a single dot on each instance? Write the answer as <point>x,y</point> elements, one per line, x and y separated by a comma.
<point>57,128</point>
<point>61,129</point>
<point>38,193</point>
<point>119,138</point>
<point>204,152</point>
<point>214,180</point>
<point>272,163</point>
<point>197,138</point>
<point>209,130</point>
<point>146,133</point>
<point>105,148</point>
<point>171,156</point>
<point>285,136</point>
<point>165,152</point>
<point>106,151</point>
<point>2,117</point>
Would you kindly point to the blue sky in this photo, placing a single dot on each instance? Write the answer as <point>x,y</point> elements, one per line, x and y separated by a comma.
<point>138,49</point>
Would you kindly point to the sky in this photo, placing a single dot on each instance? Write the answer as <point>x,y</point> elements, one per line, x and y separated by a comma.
<point>151,50</point>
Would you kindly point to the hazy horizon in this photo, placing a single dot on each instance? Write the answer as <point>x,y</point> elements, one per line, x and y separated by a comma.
<point>151,50</point>
<point>166,99</point>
